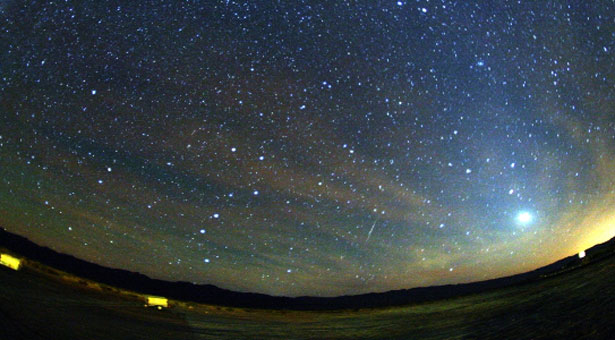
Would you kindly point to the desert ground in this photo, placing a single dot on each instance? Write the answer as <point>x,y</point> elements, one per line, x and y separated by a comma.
<point>45,304</point>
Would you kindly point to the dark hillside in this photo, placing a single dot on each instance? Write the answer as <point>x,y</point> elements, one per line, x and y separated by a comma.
<point>210,294</point>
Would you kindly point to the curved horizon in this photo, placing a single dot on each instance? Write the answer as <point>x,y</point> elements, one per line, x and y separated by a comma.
<point>33,256</point>
<point>309,149</point>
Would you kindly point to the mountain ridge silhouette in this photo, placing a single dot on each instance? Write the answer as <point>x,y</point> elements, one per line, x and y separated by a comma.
<point>211,294</point>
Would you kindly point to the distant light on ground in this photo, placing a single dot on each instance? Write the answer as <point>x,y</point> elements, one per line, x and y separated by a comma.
<point>10,261</point>
<point>159,302</point>
<point>524,217</point>
<point>582,254</point>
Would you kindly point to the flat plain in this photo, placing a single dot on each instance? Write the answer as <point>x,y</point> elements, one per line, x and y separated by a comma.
<point>40,303</point>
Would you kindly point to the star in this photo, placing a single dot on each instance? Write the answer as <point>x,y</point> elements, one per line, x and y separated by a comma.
<point>249,140</point>
<point>524,217</point>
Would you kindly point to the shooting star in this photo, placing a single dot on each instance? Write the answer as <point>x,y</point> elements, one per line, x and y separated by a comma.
<point>369,234</point>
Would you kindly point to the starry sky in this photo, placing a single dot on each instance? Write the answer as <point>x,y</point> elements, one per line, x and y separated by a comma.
<point>306,147</point>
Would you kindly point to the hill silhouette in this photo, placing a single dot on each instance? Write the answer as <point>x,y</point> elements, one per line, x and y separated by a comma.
<point>210,294</point>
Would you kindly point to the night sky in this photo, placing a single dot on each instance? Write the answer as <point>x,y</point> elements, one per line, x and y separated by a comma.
<point>302,148</point>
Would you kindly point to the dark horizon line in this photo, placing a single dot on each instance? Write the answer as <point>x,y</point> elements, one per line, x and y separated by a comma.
<point>211,294</point>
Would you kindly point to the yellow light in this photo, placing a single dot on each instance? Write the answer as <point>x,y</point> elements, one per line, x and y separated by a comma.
<point>157,301</point>
<point>600,230</point>
<point>9,261</point>
<point>582,254</point>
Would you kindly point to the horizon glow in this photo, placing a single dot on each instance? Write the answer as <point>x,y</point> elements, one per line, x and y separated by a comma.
<point>319,148</point>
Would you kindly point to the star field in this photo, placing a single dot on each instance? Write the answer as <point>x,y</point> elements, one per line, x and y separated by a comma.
<point>307,148</point>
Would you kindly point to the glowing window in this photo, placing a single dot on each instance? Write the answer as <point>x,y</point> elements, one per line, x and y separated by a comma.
<point>159,302</point>
<point>9,261</point>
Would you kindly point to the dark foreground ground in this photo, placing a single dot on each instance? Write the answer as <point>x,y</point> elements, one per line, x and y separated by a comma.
<point>577,304</point>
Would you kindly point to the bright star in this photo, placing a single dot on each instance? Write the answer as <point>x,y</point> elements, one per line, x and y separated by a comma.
<point>524,217</point>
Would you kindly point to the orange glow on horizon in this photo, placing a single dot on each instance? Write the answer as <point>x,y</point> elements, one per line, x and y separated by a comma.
<point>599,230</point>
